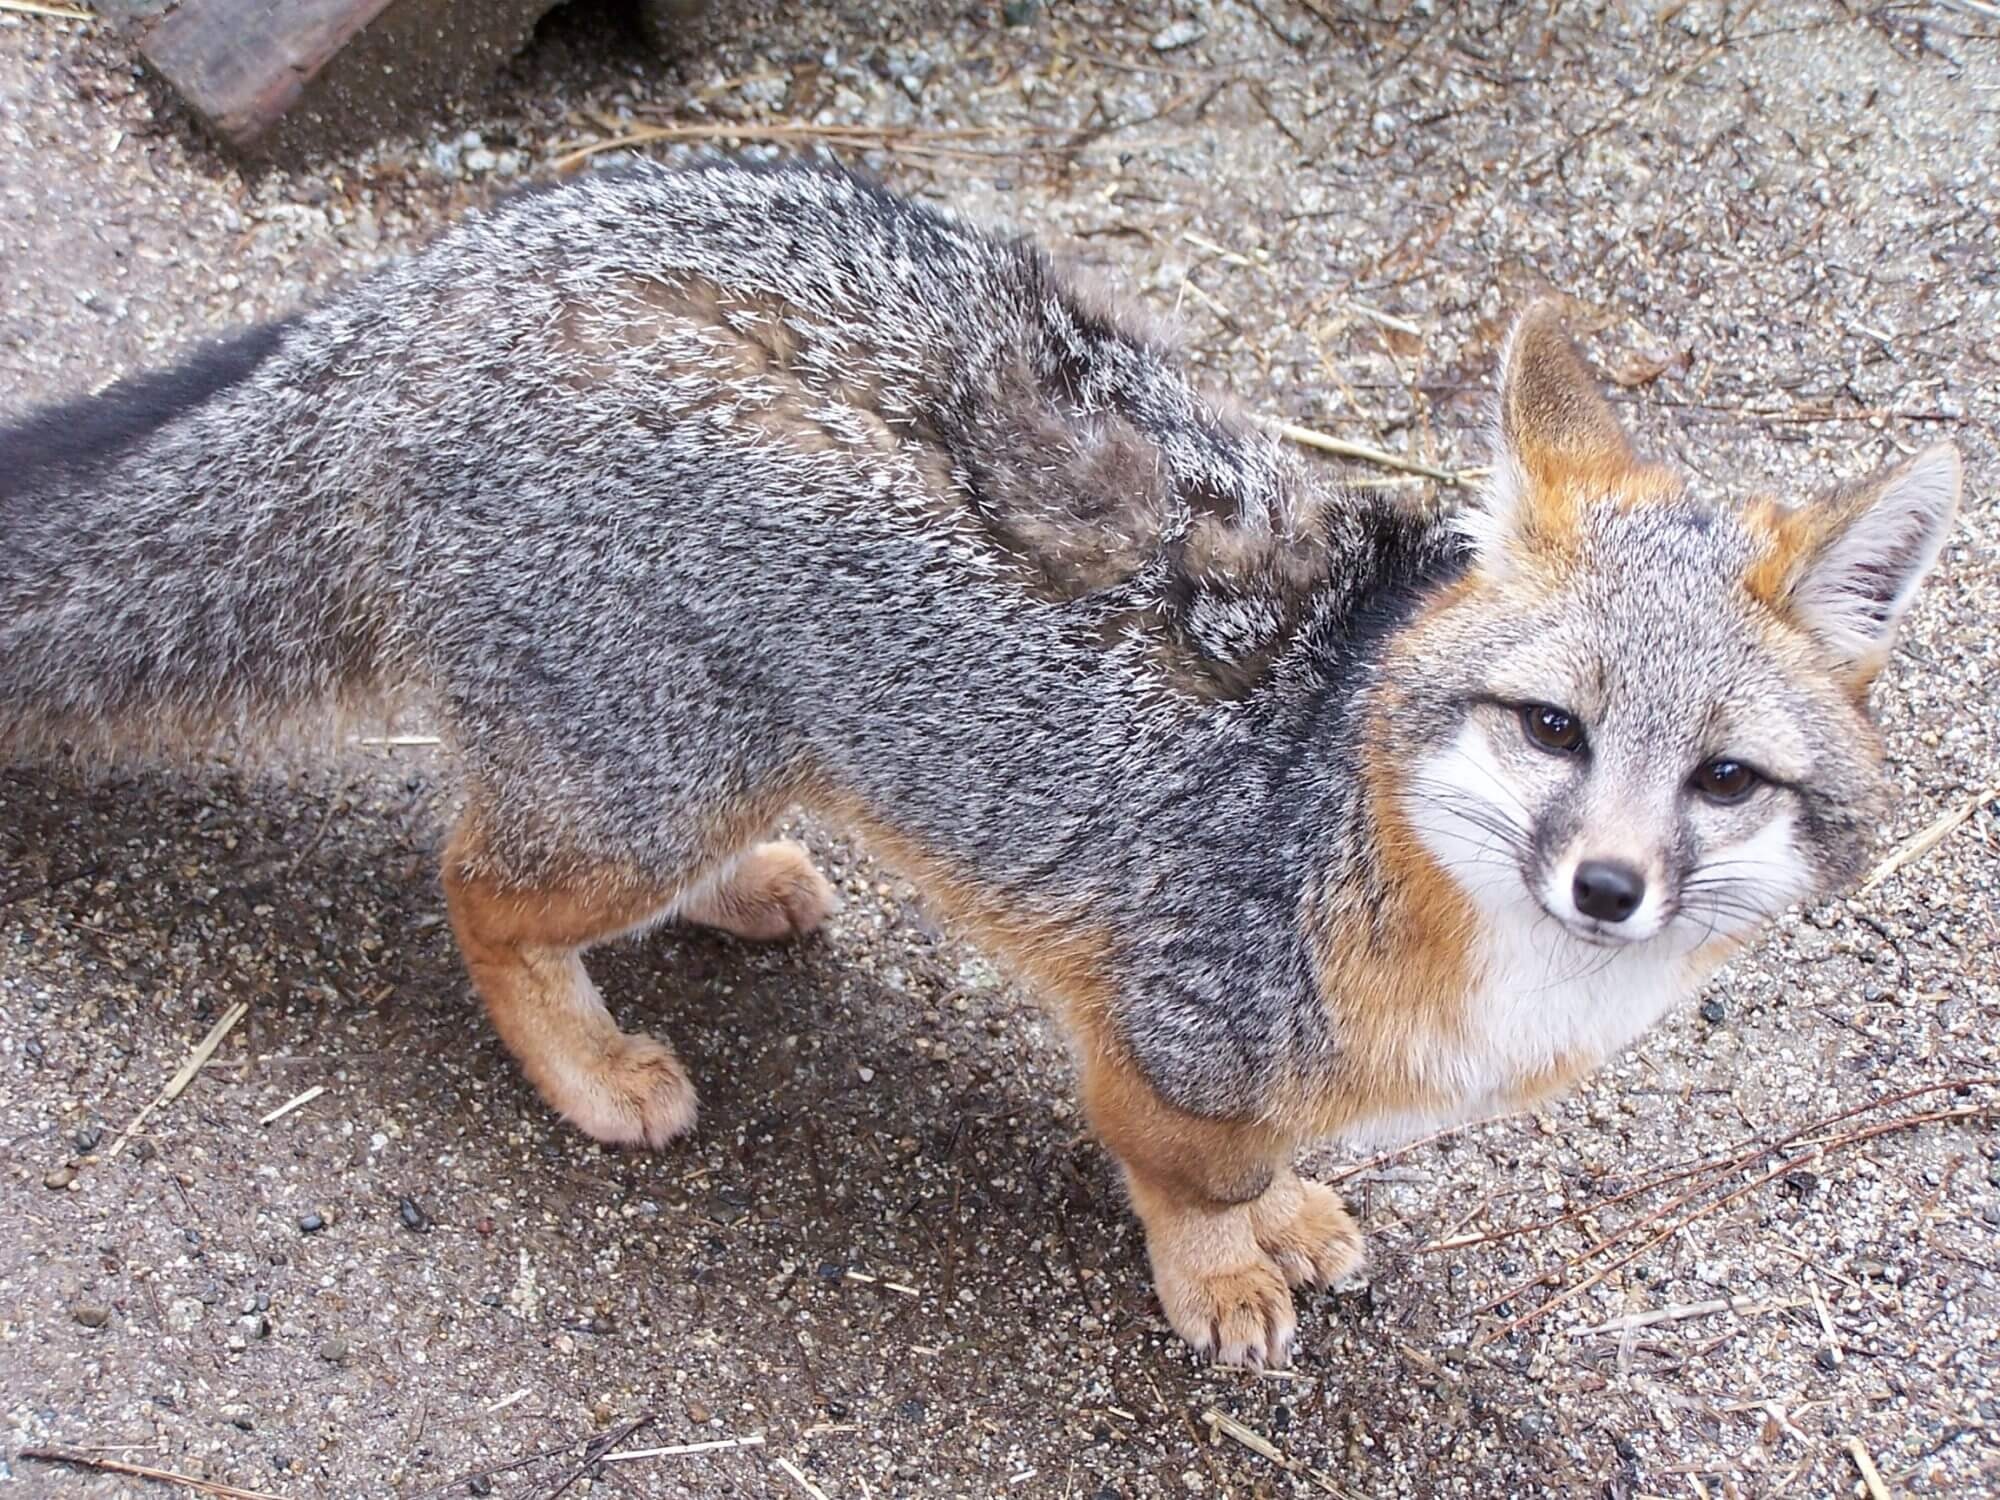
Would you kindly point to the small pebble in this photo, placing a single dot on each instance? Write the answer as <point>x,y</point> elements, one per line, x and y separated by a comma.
<point>334,1351</point>
<point>698,1414</point>
<point>479,1484</point>
<point>91,1314</point>
<point>88,1138</point>
<point>1713,1012</point>
<point>60,1178</point>
<point>413,1215</point>
<point>1180,34</point>
<point>603,1323</point>
<point>312,1223</point>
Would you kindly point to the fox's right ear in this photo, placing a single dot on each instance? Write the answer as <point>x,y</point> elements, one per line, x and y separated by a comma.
<point>1558,447</point>
<point>1847,566</point>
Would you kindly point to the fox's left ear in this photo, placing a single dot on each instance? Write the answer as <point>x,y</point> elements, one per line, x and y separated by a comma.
<point>1559,448</point>
<point>1847,567</point>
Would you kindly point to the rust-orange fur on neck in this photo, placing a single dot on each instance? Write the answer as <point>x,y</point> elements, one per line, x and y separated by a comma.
<point>1395,961</point>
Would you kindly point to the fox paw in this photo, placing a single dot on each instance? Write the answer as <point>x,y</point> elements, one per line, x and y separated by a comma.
<point>773,891</point>
<point>636,1094</point>
<point>1221,1290</point>
<point>1305,1228</point>
<point>1239,1314</point>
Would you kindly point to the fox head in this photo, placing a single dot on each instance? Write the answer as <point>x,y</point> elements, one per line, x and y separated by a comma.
<point>1641,718</point>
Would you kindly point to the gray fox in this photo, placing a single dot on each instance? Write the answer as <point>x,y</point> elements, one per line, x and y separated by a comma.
<point>686,496</point>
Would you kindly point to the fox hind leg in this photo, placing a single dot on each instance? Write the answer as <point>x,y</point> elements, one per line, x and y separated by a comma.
<point>769,892</point>
<point>522,939</point>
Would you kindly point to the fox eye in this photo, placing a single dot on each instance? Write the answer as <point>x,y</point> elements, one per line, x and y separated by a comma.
<point>1550,728</point>
<point>1725,780</point>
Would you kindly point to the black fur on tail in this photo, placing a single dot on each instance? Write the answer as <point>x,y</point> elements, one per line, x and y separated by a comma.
<point>79,436</point>
<point>175,565</point>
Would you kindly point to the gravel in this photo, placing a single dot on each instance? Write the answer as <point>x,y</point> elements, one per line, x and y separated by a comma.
<point>1777,229</point>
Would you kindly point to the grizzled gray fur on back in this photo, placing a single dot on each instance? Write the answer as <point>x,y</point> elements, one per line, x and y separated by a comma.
<point>672,489</point>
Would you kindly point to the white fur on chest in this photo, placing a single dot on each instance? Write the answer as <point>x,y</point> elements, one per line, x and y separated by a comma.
<point>1545,1001</point>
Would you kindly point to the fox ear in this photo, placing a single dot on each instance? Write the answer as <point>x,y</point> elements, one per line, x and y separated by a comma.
<point>1558,440</point>
<point>1851,563</point>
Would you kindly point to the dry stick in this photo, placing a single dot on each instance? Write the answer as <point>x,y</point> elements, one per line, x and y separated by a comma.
<point>1921,844</point>
<point>1818,1152</point>
<point>140,1471</point>
<point>804,1483</point>
<point>35,8</point>
<point>297,1101</point>
<point>1756,1147</point>
<point>197,1060</point>
<point>1227,1426</point>
<point>856,137</point>
<point>1713,1174</point>
<point>1680,1312</point>
<point>1870,1475</point>
<point>1421,1141</point>
<point>681,1450</point>
<point>1306,437</point>
<point>594,1450</point>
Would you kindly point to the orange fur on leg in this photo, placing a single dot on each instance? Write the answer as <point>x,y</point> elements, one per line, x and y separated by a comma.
<point>521,945</point>
<point>772,891</point>
<point>1230,1228</point>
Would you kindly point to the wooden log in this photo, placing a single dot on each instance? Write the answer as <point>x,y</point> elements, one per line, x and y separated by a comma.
<point>294,77</point>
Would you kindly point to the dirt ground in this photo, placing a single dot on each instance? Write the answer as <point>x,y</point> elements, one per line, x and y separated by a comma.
<point>891,1253</point>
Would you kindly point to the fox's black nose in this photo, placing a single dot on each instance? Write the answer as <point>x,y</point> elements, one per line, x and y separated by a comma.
<point>1607,890</point>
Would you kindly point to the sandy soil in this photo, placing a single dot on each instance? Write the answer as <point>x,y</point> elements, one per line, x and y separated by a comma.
<point>891,1252</point>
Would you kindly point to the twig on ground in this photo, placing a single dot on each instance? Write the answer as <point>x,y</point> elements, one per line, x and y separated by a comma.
<point>196,1061</point>
<point>1789,1164</point>
<point>800,1475</point>
<point>1387,320</point>
<point>1825,1317</point>
<point>39,8</point>
<point>400,741</point>
<point>297,1101</point>
<point>594,1451</point>
<point>907,139</point>
<point>1307,437</point>
<point>1870,1475</point>
<point>1745,1152</point>
<point>141,1471</point>
<point>1222,1424</point>
<point>1918,845</point>
<point>1680,1312</point>
<point>682,1450</point>
<point>1418,1144</point>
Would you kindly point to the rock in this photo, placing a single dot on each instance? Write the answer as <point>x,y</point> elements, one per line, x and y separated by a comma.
<point>413,1216</point>
<point>1017,12</point>
<point>312,1223</point>
<point>1714,1012</point>
<point>91,1314</point>
<point>236,1414</point>
<point>60,1178</point>
<point>1180,34</point>
<point>335,1350</point>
